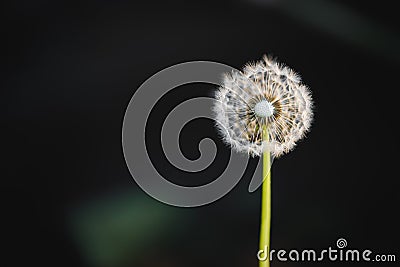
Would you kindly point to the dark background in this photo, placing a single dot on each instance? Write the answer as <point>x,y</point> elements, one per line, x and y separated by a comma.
<point>69,70</point>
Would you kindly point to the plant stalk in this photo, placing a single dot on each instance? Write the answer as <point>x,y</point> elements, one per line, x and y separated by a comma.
<point>265,228</point>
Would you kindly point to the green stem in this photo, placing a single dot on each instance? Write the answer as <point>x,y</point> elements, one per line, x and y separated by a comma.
<point>265,203</point>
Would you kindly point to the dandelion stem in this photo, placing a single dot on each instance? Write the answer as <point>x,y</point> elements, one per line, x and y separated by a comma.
<point>265,228</point>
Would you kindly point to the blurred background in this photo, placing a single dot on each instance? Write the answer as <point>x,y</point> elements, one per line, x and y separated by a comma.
<point>69,69</point>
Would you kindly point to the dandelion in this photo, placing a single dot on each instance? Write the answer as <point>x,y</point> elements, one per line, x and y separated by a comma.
<point>263,110</point>
<point>265,94</point>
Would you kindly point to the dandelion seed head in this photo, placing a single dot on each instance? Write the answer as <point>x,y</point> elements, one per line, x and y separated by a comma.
<point>265,93</point>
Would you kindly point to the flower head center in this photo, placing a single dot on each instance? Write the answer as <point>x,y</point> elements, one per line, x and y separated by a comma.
<point>264,109</point>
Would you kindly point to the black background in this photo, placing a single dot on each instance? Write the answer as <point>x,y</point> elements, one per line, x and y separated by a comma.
<point>69,70</point>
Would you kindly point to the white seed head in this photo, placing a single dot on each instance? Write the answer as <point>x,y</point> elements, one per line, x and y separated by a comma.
<point>267,94</point>
<point>263,109</point>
